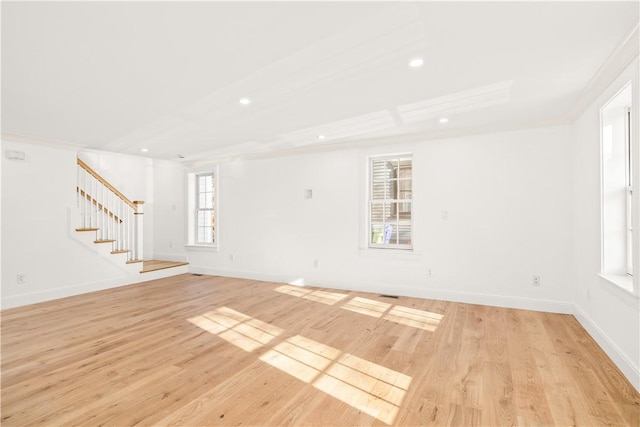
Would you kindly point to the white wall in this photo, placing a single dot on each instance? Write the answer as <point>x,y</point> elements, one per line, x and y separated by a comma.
<point>39,213</point>
<point>609,313</point>
<point>508,218</point>
<point>38,198</point>
<point>169,210</point>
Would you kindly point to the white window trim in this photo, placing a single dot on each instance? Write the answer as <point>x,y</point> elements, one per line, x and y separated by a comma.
<point>192,194</point>
<point>623,282</point>
<point>198,209</point>
<point>629,192</point>
<point>368,247</point>
<point>201,248</point>
<point>621,279</point>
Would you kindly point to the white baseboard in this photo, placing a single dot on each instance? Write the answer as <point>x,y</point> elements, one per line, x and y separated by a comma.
<point>384,288</point>
<point>57,293</point>
<point>623,363</point>
<point>534,304</point>
<point>241,274</point>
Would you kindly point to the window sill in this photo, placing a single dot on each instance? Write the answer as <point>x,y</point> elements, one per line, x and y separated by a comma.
<point>624,282</point>
<point>201,248</point>
<point>394,253</point>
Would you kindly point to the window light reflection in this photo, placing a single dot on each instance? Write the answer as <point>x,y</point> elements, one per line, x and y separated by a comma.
<point>237,328</point>
<point>412,317</point>
<point>366,306</point>
<point>415,318</point>
<point>324,297</point>
<point>373,389</point>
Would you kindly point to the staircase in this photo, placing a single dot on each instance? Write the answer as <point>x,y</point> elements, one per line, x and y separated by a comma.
<point>105,211</point>
<point>114,220</point>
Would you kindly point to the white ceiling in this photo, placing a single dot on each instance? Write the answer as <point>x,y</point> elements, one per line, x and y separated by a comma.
<point>167,76</point>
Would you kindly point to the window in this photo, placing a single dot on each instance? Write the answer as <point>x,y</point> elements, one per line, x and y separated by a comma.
<point>203,221</point>
<point>390,202</point>
<point>617,202</point>
<point>629,191</point>
<point>205,209</point>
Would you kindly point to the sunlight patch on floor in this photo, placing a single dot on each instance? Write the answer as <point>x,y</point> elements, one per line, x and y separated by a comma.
<point>324,297</point>
<point>301,357</point>
<point>366,306</point>
<point>371,388</point>
<point>413,317</point>
<point>237,328</point>
<point>404,315</point>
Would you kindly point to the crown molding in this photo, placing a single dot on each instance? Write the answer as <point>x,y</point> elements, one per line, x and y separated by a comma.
<point>25,139</point>
<point>624,53</point>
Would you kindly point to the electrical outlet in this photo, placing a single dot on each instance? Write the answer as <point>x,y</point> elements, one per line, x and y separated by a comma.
<point>316,263</point>
<point>428,272</point>
<point>536,281</point>
<point>21,278</point>
<point>232,257</point>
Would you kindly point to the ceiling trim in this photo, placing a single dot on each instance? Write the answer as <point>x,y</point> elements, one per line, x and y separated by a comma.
<point>624,53</point>
<point>13,137</point>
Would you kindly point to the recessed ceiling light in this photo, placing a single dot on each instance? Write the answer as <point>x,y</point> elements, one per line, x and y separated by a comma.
<point>245,101</point>
<point>443,120</point>
<point>321,136</point>
<point>416,62</point>
<point>144,150</point>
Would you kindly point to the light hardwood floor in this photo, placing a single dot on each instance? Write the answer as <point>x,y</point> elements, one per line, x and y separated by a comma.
<point>203,350</point>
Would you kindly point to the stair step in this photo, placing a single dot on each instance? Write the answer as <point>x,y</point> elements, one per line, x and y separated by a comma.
<point>87,229</point>
<point>154,265</point>
<point>121,251</point>
<point>103,241</point>
<point>133,261</point>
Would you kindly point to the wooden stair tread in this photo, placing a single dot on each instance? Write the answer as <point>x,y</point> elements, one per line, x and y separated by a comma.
<point>104,241</point>
<point>133,261</point>
<point>87,229</point>
<point>120,251</point>
<point>154,265</point>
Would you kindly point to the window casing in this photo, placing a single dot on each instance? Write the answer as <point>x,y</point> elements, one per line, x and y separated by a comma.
<point>629,191</point>
<point>390,223</point>
<point>205,209</point>
<point>617,202</point>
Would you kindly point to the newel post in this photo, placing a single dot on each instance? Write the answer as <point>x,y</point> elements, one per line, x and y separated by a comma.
<point>138,230</point>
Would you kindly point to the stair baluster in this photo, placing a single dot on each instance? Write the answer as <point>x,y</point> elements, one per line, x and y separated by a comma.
<point>106,209</point>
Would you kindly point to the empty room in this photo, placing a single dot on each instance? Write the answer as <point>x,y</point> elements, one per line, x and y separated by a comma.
<point>320,213</point>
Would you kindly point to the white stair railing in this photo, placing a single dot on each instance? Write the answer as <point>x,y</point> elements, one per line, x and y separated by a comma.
<point>117,219</point>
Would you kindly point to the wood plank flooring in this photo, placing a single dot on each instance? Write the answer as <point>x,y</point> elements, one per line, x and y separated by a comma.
<point>204,350</point>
